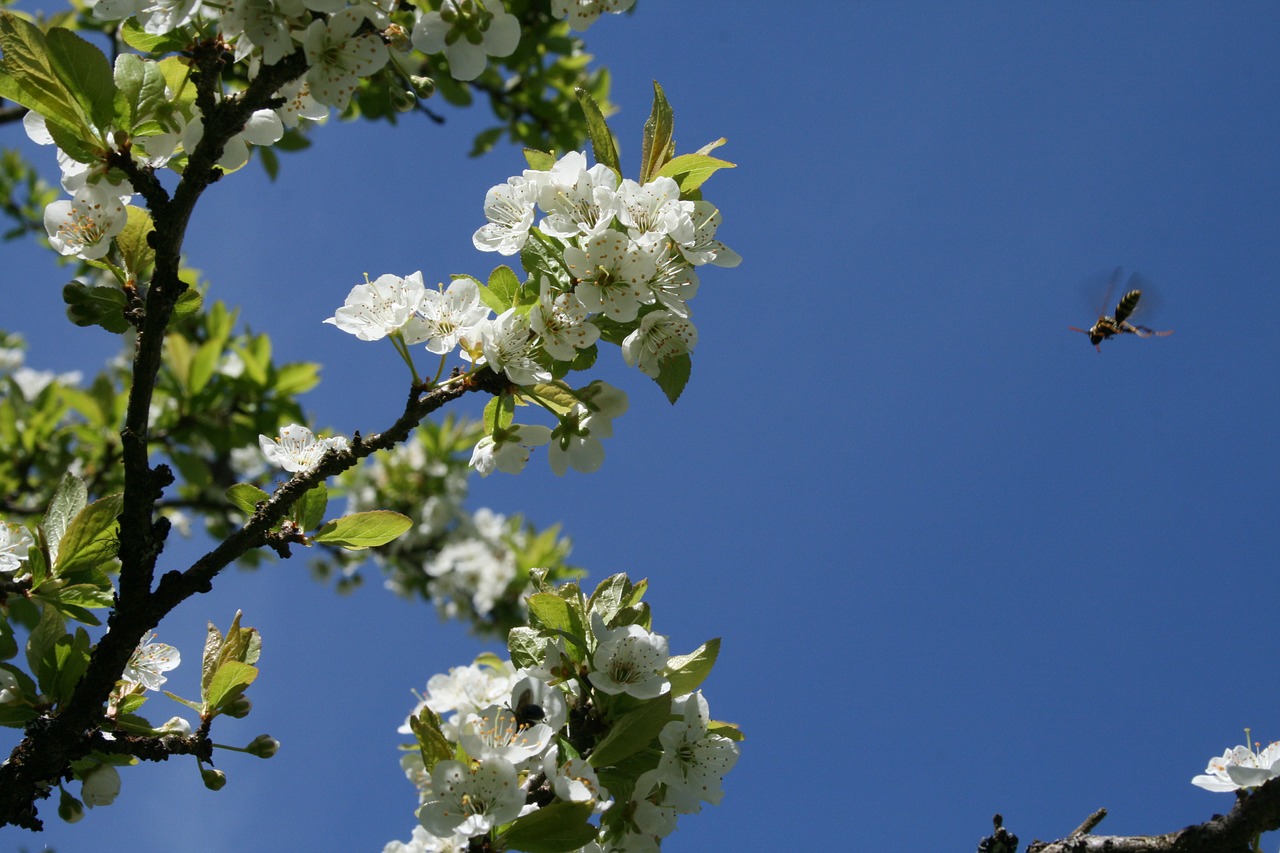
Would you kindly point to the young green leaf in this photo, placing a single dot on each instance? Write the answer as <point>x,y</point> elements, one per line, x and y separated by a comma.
<point>67,501</point>
<point>132,242</point>
<point>690,171</point>
<point>632,732</point>
<point>673,375</point>
<point>503,290</point>
<point>431,740</point>
<point>542,161</point>
<point>31,79</point>
<point>90,539</point>
<point>246,497</point>
<point>363,529</point>
<point>308,512</point>
<point>658,143</point>
<point>602,143</point>
<point>92,305</point>
<point>555,828</point>
<point>86,72</point>
<point>687,672</point>
<point>228,683</point>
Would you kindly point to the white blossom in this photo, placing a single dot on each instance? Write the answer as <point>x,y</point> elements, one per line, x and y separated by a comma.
<point>583,13</point>
<point>445,318</point>
<point>100,786</point>
<point>149,662</point>
<point>85,225</point>
<point>509,347</point>
<point>628,659</point>
<point>1240,767</point>
<point>465,40</point>
<point>507,449</point>
<point>339,56</point>
<point>654,211</point>
<point>694,761</point>
<point>578,201</point>
<point>561,323</point>
<point>472,800</point>
<point>612,274</point>
<point>661,335</point>
<point>378,308</point>
<point>703,247</point>
<point>510,210</point>
<point>496,731</point>
<point>297,449</point>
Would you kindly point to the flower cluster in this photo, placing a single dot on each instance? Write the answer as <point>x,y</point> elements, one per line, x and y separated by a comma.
<point>1241,767</point>
<point>610,260</point>
<point>498,741</point>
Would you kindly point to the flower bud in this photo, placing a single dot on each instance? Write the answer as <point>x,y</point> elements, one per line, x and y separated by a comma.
<point>238,708</point>
<point>403,100</point>
<point>69,808</point>
<point>214,780</point>
<point>100,786</point>
<point>263,746</point>
<point>424,86</point>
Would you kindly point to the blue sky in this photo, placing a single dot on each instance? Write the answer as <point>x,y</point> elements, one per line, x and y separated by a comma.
<point>960,562</point>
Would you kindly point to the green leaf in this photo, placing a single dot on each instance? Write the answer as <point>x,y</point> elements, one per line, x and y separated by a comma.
<point>632,732</point>
<point>555,828</point>
<point>498,413</point>
<point>673,375</point>
<point>246,497</point>
<point>308,512</point>
<point>36,85</point>
<point>8,645</point>
<point>91,537</point>
<point>204,364</point>
<point>431,740</point>
<point>690,171</point>
<point>504,289</point>
<point>139,39</point>
<point>87,74</point>
<point>526,647</point>
<point>228,683</point>
<point>71,659</point>
<point>610,596</point>
<point>91,305</point>
<point>40,646</point>
<point>541,161</point>
<point>67,501</point>
<point>558,398</point>
<point>658,144</point>
<point>296,378</point>
<point>687,672</point>
<point>188,303</point>
<point>138,255</point>
<point>364,529</point>
<point>602,144</point>
<point>550,611</point>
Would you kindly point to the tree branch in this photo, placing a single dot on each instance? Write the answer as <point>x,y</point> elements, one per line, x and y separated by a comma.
<point>1254,813</point>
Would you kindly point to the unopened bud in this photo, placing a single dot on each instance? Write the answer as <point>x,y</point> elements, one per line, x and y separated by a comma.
<point>402,101</point>
<point>263,746</point>
<point>238,707</point>
<point>214,780</point>
<point>69,808</point>
<point>424,86</point>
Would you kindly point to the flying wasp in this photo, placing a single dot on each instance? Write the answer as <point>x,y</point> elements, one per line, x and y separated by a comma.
<point>1108,326</point>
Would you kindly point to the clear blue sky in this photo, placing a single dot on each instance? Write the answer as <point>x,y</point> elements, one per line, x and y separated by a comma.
<point>960,562</point>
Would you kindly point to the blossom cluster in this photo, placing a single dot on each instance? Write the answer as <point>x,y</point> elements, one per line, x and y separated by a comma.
<point>518,739</point>
<point>615,260</point>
